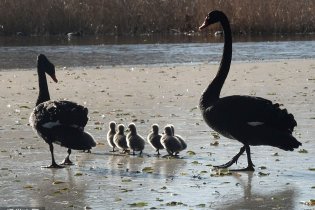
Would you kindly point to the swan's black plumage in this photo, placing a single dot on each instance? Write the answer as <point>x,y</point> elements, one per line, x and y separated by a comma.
<point>61,122</point>
<point>250,120</point>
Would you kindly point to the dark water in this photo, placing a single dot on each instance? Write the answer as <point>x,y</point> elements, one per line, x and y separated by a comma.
<point>21,52</point>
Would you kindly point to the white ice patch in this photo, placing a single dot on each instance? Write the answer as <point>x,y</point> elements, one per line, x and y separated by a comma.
<point>255,123</point>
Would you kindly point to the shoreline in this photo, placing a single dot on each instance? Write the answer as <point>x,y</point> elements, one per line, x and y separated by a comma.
<point>162,65</point>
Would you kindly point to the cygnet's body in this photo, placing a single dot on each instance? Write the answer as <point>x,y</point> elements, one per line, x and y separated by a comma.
<point>154,138</point>
<point>182,141</point>
<point>120,138</point>
<point>110,135</point>
<point>134,141</point>
<point>172,145</point>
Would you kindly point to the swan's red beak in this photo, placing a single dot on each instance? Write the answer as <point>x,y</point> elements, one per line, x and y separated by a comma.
<point>54,78</point>
<point>204,25</point>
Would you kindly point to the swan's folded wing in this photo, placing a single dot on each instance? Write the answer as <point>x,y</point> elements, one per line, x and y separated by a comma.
<point>66,113</point>
<point>253,111</point>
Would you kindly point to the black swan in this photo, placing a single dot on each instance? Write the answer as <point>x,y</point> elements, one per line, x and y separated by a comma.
<point>134,141</point>
<point>154,138</point>
<point>182,141</point>
<point>60,122</point>
<point>250,120</point>
<point>120,138</point>
<point>110,135</point>
<point>172,145</point>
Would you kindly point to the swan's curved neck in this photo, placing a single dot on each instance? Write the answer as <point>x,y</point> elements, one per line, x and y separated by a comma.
<point>212,93</point>
<point>43,87</point>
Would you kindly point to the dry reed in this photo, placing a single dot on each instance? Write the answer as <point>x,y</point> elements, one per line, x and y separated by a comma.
<point>133,17</point>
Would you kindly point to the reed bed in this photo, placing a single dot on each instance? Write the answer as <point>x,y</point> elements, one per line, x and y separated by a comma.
<point>135,17</point>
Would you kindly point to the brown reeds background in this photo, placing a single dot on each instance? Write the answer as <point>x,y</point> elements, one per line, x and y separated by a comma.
<point>132,17</point>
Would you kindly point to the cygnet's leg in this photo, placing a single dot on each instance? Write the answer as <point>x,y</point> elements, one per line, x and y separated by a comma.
<point>158,152</point>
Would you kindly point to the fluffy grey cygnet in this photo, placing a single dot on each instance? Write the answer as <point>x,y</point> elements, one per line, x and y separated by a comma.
<point>134,141</point>
<point>182,141</point>
<point>172,145</point>
<point>110,135</point>
<point>154,138</point>
<point>120,138</point>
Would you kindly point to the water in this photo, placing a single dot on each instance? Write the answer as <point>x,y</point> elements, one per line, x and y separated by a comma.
<point>20,52</point>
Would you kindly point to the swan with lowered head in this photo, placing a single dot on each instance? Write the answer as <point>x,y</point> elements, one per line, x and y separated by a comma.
<point>251,120</point>
<point>61,122</point>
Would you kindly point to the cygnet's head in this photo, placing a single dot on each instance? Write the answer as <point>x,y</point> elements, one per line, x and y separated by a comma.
<point>132,128</point>
<point>172,127</point>
<point>168,130</point>
<point>155,128</point>
<point>121,128</point>
<point>112,125</point>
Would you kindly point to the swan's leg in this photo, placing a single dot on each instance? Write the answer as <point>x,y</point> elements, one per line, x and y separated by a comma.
<point>250,166</point>
<point>158,152</point>
<point>67,160</point>
<point>234,159</point>
<point>53,162</point>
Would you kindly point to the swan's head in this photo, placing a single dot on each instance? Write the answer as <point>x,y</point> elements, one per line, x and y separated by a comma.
<point>168,130</point>
<point>211,18</point>
<point>112,125</point>
<point>132,128</point>
<point>44,64</point>
<point>155,128</point>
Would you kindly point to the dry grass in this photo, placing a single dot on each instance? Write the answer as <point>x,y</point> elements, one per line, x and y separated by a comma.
<point>132,17</point>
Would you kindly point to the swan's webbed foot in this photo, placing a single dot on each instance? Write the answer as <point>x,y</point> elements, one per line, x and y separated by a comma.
<point>53,162</point>
<point>53,165</point>
<point>248,168</point>
<point>226,165</point>
<point>234,159</point>
<point>67,162</point>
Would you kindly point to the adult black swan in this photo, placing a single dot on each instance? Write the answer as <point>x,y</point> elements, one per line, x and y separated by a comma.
<point>61,122</point>
<point>250,120</point>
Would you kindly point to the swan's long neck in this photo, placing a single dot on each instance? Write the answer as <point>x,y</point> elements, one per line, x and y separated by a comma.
<point>43,87</point>
<point>212,93</point>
